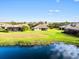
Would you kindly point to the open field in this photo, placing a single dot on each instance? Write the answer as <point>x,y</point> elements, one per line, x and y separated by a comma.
<point>36,38</point>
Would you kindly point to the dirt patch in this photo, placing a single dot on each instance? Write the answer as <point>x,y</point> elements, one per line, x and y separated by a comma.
<point>22,35</point>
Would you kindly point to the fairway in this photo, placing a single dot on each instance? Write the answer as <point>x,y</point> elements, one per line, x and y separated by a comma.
<point>36,38</point>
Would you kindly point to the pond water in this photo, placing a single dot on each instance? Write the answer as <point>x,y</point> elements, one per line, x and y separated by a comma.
<point>53,51</point>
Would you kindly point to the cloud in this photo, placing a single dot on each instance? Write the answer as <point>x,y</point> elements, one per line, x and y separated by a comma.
<point>58,1</point>
<point>76,0</point>
<point>51,12</point>
<point>54,11</point>
<point>57,10</point>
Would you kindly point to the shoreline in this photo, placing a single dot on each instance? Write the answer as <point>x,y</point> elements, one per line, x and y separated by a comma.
<point>37,45</point>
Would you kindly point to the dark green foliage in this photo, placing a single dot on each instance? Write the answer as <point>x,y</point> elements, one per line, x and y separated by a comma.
<point>3,30</point>
<point>13,23</point>
<point>50,25</point>
<point>53,25</point>
<point>32,24</point>
<point>25,28</point>
<point>57,24</point>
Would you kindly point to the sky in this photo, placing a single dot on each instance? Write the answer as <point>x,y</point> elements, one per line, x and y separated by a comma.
<point>39,10</point>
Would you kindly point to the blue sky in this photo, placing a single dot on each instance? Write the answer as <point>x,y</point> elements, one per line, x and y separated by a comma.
<point>39,10</point>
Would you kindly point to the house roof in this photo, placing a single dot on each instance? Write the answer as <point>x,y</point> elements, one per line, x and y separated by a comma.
<point>76,27</point>
<point>10,25</point>
<point>62,26</point>
<point>73,28</point>
<point>41,26</point>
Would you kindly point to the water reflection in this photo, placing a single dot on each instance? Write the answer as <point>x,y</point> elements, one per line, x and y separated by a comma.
<point>63,51</point>
<point>24,52</point>
<point>53,51</point>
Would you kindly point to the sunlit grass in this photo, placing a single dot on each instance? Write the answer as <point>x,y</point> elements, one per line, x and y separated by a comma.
<point>36,38</point>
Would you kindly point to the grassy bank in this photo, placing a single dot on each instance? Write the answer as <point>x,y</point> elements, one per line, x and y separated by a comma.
<point>36,38</point>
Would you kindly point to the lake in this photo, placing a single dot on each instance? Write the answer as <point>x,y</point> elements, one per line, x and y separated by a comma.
<point>53,51</point>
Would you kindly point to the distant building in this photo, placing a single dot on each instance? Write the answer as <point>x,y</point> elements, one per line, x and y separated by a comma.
<point>10,27</point>
<point>71,28</point>
<point>41,27</point>
<point>14,28</point>
<point>62,27</point>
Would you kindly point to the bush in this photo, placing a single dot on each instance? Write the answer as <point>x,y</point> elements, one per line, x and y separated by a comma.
<point>25,28</point>
<point>78,34</point>
<point>3,30</point>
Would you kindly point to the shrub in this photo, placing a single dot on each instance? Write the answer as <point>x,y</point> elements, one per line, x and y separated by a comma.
<point>78,34</point>
<point>3,30</point>
<point>25,28</point>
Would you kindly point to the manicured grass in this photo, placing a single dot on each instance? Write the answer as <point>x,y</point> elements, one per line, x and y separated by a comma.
<point>36,38</point>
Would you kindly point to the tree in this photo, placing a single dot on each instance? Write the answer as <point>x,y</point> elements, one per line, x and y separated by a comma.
<point>13,23</point>
<point>57,25</point>
<point>32,24</point>
<point>25,27</point>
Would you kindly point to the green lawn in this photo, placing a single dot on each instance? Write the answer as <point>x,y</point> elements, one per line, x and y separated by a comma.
<point>36,38</point>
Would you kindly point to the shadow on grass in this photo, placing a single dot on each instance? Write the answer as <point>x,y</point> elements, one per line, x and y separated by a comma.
<point>71,34</point>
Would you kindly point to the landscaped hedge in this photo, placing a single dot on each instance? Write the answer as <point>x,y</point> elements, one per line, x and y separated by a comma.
<point>3,30</point>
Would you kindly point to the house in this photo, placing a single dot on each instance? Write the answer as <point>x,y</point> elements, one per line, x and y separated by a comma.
<point>72,28</point>
<point>11,27</point>
<point>62,27</point>
<point>14,27</point>
<point>41,27</point>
